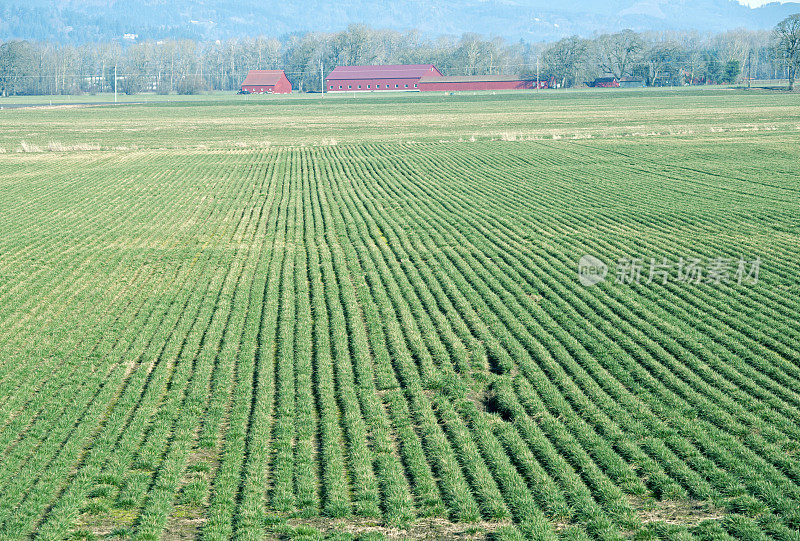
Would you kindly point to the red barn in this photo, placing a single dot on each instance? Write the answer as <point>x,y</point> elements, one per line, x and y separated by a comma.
<point>266,82</point>
<point>370,78</point>
<point>479,82</point>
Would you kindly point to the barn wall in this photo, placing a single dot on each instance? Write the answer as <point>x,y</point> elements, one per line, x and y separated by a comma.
<point>353,83</point>
<point>257,89</point>
<point>455,86</point>
<point>283,86</point>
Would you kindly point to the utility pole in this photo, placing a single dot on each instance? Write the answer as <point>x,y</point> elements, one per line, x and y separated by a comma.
<point>321,79</point>
<point>537,72</point>
<point>115,83</point>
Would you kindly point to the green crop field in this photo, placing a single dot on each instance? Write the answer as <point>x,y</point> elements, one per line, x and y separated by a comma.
<point>249,317</point>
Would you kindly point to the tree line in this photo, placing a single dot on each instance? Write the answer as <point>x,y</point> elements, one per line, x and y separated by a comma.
<point>187,66</point>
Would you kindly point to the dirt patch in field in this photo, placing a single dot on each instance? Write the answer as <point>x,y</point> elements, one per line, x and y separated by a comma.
<point>685,513</point>
<point>422,529</point>
<point>184,523</point>
<point>116,523</point>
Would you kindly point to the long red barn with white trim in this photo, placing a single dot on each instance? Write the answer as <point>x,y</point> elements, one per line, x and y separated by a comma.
<point>403,77</point>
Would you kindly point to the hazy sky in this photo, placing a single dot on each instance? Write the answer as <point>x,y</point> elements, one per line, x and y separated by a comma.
<point>756,3</point>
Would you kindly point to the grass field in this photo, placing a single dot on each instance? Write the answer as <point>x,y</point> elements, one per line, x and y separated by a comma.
<point>362,317</point>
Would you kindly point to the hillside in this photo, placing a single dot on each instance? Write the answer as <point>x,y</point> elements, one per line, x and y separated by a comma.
<point>532,20</point>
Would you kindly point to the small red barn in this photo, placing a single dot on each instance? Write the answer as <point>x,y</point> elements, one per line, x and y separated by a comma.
<point>266,82</point>
<point>370,78</point>
<point>479,82</point>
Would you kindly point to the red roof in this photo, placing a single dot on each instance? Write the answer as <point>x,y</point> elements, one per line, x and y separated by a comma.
<point>263,77</point>
<point>402,71</point>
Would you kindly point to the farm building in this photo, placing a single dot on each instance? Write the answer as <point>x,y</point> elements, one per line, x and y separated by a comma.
<point>371,78</point>
<point>266,82</point>
<point>479,82</point>
<point>631,82</point>
<point>605,82</point>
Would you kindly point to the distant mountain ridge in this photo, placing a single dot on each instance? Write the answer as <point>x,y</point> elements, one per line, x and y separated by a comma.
<point>79,21</point>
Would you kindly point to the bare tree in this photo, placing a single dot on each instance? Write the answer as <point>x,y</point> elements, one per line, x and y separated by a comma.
<point>16,67</point>
<point>137,67</point>
<point>619,52</point>
<point>692,58</point>
<point>355,46</point>
<point>787,34</point>
<point>565,58</point>
<point>304,56</point>
<point>469,54</point>
<point>659,61</point>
